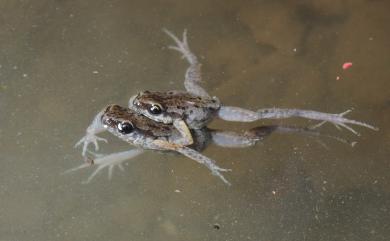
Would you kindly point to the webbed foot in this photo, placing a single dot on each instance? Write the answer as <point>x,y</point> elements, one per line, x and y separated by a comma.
<point>204,160</point>
<point>193,74</point>
<point>338,120</point>
<point>87,139</point>
<point>103,161</point>
<point>182,46</point>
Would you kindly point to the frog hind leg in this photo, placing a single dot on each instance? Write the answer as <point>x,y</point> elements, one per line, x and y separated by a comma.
<point>193,74</point>
<point>242,115</point>
<point>230,113</point>
<point>260,132</point>
<point>109,161</point>
<point>337,120</point>
<point>231,139</point>
<point>250,137</point>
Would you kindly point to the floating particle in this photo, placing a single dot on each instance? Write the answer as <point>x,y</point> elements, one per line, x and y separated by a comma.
<point>217,226</point>
<point>347,65</point>
<point>337,77</point>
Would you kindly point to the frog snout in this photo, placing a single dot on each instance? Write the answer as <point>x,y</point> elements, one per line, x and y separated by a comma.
<point>133,101</point>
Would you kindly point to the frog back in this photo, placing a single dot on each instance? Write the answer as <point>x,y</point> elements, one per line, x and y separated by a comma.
<point>195,110</point>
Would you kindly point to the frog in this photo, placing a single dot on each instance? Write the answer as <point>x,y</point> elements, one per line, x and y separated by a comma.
<point>194,108</point>
<point>180,108</point>
<point>146,134</point>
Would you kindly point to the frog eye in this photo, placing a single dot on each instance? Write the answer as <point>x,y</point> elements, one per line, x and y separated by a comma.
<point>155,109</point>
<point>125,127</point>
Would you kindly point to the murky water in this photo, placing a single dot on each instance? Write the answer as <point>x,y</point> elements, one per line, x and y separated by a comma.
<point>61,61</point>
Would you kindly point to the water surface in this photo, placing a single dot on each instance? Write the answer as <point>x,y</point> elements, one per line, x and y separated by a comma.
<point>61,61</point>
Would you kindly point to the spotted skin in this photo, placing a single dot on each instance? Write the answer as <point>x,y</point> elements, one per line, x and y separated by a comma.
<point>195,110</point>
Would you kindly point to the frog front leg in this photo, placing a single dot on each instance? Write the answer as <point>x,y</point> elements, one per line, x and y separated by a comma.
<point>230,113</point>
<point>186,136</point>
<point>94,128</point>
<point>194,155</point>
<point>204,160</point>
<point>193,74</point>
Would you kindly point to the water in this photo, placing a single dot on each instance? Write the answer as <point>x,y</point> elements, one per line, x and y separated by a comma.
<point>61,61</point>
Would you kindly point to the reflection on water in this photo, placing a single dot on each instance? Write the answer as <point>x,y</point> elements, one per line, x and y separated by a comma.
<point>62,61</point>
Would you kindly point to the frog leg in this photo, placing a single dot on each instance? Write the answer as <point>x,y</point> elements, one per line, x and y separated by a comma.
<point>204,160</point>
<point>230,113</point>
<point>242,115</point>
<point>194,155</point>
<point>193,74</point>
<point>109,161</point>
<point>185,132</point>
<point>260,132</point>
<point>231,139</point>
<point>252,136</point>
<point>94,128</point>
<point>336,119</point>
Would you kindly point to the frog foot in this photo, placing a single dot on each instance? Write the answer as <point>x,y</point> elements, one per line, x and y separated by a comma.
<point>89,138</point>
<point>103,161</point>
<point>204,160</point>
<point>339,121</point>
<point>216,171</point>
<point>182,46</point>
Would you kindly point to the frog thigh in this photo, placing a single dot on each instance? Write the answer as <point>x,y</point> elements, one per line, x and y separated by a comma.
<point>232,139</point>
<point>230,113</point>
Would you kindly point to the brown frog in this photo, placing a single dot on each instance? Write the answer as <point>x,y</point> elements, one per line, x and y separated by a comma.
<point>146,134</point>
<point>143,133</point>
<point>195,108</point>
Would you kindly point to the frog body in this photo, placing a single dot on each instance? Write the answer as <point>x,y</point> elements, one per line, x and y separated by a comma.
<point>167,106</point>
